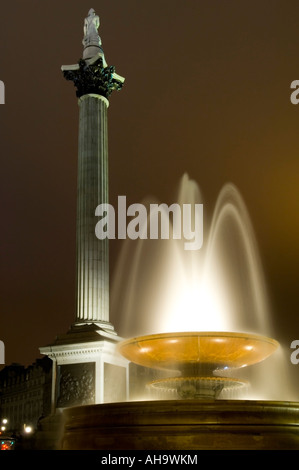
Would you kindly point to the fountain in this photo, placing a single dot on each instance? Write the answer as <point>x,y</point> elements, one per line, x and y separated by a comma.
<point>198,357</point>
<point>195,321</point>
<point>196,318</point>
<point>219,289</point>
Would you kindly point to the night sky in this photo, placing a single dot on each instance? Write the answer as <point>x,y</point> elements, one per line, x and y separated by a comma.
<point>207,92</point>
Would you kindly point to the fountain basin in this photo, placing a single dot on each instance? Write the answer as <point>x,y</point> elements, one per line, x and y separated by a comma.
<point>183,425</point>
<point>197,357</point>
<point>197,350</point>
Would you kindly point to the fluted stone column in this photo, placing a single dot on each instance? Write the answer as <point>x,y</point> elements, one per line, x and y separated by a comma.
<point>95,81</point>
<point>85,363</point>
<point>92,254</point>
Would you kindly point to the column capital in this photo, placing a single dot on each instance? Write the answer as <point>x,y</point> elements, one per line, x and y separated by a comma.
<point>93,77</point>
<point>93,95</point>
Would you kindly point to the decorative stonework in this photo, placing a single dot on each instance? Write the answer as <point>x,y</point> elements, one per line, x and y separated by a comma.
<point>91,77</point>
<point>71,353</point>
<point>75,354</point>
<point>76,385</point>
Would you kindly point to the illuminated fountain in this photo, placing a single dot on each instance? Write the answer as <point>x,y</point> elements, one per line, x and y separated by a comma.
<point>201,313</point>
<point>217,288</point>
<point>199,319</point>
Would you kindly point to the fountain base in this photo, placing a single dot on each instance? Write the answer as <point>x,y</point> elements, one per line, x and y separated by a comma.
<point>195,387</point>
<point>183,425</point>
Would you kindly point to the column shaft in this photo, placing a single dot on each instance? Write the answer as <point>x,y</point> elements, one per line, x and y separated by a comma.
<point>92,254</point>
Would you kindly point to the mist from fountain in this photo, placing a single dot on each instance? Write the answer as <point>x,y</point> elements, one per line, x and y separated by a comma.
<point>159,287</point>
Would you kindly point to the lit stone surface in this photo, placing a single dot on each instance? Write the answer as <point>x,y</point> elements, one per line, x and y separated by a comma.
<point>183,425</point>
<point>92,254</point>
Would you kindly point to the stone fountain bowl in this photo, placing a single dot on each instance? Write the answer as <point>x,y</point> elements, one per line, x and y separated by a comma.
<point>203,350</point>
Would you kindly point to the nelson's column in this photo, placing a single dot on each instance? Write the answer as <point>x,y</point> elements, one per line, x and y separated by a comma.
<point>84,360</point>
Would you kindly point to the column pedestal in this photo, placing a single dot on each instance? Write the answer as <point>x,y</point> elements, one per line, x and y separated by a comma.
<point>87,369</point>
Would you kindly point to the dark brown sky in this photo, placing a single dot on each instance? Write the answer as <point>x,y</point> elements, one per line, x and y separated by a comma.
<point>207,92</point>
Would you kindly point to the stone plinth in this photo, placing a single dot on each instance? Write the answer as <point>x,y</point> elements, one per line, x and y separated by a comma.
<point>85,367</point>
